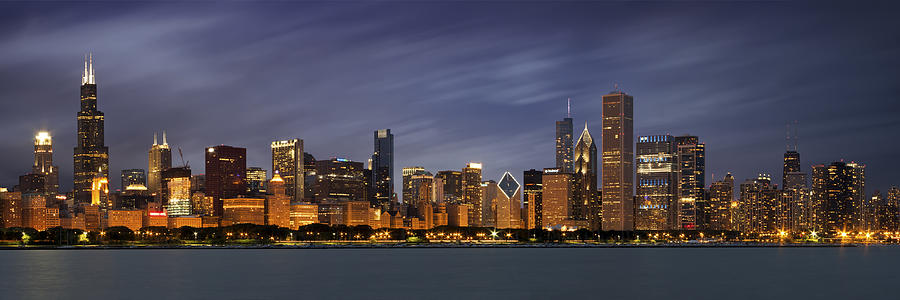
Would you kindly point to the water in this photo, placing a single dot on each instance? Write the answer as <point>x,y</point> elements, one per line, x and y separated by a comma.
<point>493,273</point>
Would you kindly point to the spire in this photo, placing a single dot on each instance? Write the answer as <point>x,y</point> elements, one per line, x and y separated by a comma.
<point>154,139</point>
<point>164,138</point>
<point>87,75</point>
<point>91,64</point>
<point>568,107</point>
<point>84,73</point>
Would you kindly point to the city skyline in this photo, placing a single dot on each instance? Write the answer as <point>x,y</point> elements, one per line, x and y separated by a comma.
<point>422,136</point>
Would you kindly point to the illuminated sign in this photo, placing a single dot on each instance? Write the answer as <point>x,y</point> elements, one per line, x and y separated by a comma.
<point>158,214</point>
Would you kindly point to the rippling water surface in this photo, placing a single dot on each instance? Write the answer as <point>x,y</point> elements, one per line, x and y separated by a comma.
<point>493,273</point>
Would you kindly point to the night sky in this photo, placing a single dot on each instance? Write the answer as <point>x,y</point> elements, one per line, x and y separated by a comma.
<point>456,82</point>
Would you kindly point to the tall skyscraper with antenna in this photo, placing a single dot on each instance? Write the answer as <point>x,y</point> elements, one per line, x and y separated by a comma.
<point>564,137</point>
<point>43,162</point>
<point>91,155</point>
<point>793,177</point>
<point>618,161</point>
<point>159,159</point>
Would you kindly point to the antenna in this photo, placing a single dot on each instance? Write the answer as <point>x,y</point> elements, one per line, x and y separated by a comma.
<point>568,107</point>
<point>792,137</point>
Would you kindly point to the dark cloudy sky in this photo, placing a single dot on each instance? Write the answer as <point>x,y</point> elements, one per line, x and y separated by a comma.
<point>456,82</point>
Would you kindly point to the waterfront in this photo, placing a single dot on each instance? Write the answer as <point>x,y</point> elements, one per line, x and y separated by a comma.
<point>440,273</point>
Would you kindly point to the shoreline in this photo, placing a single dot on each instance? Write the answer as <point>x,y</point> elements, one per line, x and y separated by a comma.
<point>427,246</point>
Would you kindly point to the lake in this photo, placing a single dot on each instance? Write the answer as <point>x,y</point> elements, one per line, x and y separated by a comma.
<point>442,273</point>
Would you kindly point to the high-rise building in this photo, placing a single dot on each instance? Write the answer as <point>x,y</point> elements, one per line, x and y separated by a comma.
<point>287,161</point>
<point>133,177</point>
<point>339,179</point>
<point>723,214</point>
<point>10,209</point>
<point>278,204</point>
<point>383,168</point>
<point>762,206</point>
<point>471,192</point>
<point>408,189</point>
<point>835,192</point>
<point>91,156</point>
<point>691,204</point>
<point>159,158</point>
<point>226,167</point>
<point>657,183</point>
<point>256,180</point>
<point>618,162</point>
<point>43,162</point>
<point>243,211</point>
<point>555,194</point>
<point>100,192</point>
<point>532,188</point>
<point>507,206</point>
<point>176,184</point>
<point>584,204</point>
<point>452,183</point>
<point>489,192</point>
<point>564,137</point>
<point>793,177</point>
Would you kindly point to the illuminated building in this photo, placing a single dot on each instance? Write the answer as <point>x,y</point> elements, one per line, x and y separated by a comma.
<point>32,184</point>
<point>287,161</point>
<point>100,192</point>
<point>762,206</point>
<point>793,177</point>
<point>618,162</point>
<point>184,221</point>
<point>471,192</point>
<point>862,213</point>
<point>201,204</point>
<point>198,183</point>
<point>457,215</point>
<point>243,210</point>
<point>304,214</point>
<point>564,137</point>
<point>309,177</point>
<point>451,181</point>
<point>155,216</point>
<point>837,189</point>
<point>507,203</point>
<point>355,213</point>
<point>278,204</point>
<point>440,215</point>
<point>584,204</point>
<point>421,191</point>
<point>408,190</point>
<point>93,218</point>
<point>657,183</point>
<point>437,191</point>
<point>533,187</point>
<point>91,156</point>
<point>135,196</point>
<point>133,219</point>
<point>133,177</point>
<point>72,222</point>
<point>43,162</point>
<point>383,168</point>
<point>177,191</point>
<point>340,179</point>
<point>556,191</point>
<point>226,167</point>
<point>36,214</point>
<point>159,159</point>
<point>886,213</point>
<point>692,182</point>
<point>893,195</point>
<point>256,180</point>
<point>723,214</point>
<point>489,192</point>
<point>11,206</point>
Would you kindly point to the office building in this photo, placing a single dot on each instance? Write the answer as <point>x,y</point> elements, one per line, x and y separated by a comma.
<point>383,169</point>
<point>133,177</point>
<point>532,181</point>
<point>618,162</point>
<point>564,138</point>
<point>408,189</point>
<point>43,162</point>
<point>723,214</point>
<point>471,192</point>
<point>226,168</point>
<point>278,204</point>
<point>339,179</point>
<point>256,180</point>
<point>287,161</point>
<point>584,204</point>
<point>159,159</point>
<point>177,191</point>
<point>556,191</point>
<point>452,185</point>
<point>657,183</point>
<point>507,203</point>
<point>692,182</point>
<point>243,211</point>
<point>91,156</point>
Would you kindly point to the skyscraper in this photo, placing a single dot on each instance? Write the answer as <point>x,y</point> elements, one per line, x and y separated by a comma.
<point>692,182</point>
<point>555,194</point>
<point>226,167</point>
<point>256,180</point>
<point>564,136</point>
<point>133,177</point>
<point>507,206</point>
<point>471,192</point>
<point>452,185</point>
<point>91,156</point>
<point>584,204</point>
<point>176,184</point>
<point>278,204</point>
<point>762,207</point>
<point>340,180</point>
<point>657,183</point>
<point>837,189</point>
<point>618,161</point>
<point>723,213</point>
<point>43,162</point>
<point>532,189</point>
<point>383,168</point>
<point>408,190</point>
<point>287,162</point>
<point>159,159</point>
